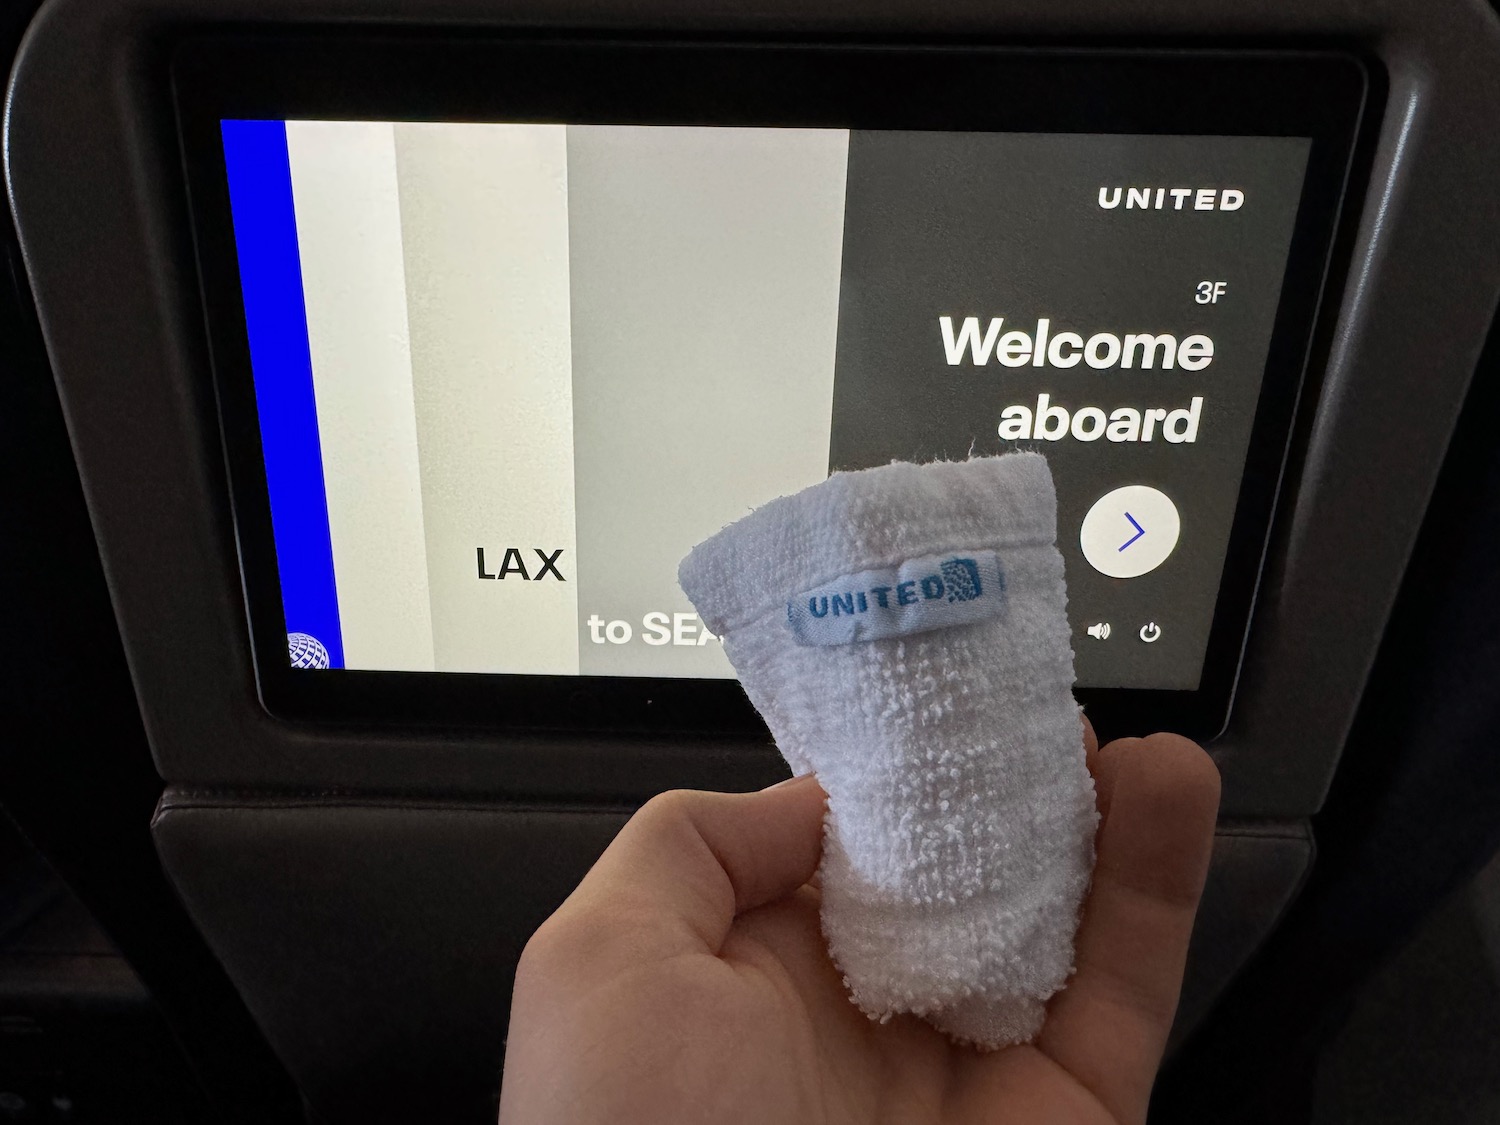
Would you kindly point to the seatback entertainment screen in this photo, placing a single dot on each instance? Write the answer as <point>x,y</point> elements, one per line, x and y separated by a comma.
<point>507,374</point>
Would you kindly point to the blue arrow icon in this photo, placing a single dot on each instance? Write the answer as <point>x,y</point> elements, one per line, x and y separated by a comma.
<point>1139,531</point>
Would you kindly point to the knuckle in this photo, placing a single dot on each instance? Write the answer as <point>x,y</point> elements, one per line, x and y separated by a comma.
<point>667,811</point>
<point>563,946</point>
<point>669,805</point>
<point>542,948</point>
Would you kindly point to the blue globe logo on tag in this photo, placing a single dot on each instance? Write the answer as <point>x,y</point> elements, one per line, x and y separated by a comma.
<point>306,651</point>
<point>961,580</point>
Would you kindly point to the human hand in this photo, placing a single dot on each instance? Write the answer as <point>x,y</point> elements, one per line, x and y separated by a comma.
<point>686,980</point>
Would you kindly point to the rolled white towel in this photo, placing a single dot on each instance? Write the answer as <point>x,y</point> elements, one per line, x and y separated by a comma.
<point>903,631</point>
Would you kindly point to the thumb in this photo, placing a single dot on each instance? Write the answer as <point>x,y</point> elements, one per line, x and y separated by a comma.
<point>688,862</point>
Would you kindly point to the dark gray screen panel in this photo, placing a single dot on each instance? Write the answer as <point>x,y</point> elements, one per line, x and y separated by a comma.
<point>1012,227</point>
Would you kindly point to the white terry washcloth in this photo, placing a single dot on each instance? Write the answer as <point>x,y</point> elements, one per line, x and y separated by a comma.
<point>903,632</point>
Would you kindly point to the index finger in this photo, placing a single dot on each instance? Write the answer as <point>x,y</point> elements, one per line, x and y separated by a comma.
<point>1109,1026</point>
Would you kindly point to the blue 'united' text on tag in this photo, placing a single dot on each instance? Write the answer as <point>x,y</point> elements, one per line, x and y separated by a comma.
<point>935,592</point>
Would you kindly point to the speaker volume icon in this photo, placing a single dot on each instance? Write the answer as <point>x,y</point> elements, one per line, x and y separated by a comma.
<point>1099,632</point>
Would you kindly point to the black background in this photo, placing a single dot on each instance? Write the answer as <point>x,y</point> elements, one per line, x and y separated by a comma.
<point>1010,225</point>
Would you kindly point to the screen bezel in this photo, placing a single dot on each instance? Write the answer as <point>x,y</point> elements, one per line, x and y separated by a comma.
<point>407,75</point>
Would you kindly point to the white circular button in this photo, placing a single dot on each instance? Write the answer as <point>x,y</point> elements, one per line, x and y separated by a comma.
<point>1130,531</point>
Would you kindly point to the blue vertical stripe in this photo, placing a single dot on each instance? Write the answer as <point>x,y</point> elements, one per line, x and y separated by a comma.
<point>265,235</point>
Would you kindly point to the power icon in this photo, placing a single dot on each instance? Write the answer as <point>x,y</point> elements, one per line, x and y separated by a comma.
<point>1150,631</point>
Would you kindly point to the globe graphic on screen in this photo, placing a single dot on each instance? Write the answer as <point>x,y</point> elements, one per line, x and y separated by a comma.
<point>306,651</point>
